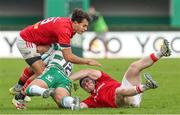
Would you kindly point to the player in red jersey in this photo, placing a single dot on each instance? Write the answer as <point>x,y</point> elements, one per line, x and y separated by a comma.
<point>106,92</point>
<point>53,30</point>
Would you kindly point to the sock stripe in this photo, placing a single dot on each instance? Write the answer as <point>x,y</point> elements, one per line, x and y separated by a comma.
<point>26,84</point>
<point>153,57</point>
<point>138,89</point>
<point>28,91</point>
<point>25,76</point>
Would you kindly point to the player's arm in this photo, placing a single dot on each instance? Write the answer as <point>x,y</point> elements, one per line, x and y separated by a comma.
<point>94,74</point>
<point>69,56</point>
<point>64,36</point>
<point>83,105</point>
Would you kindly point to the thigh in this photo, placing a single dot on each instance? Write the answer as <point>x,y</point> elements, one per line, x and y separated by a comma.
<point>27,49</point>
<point>39,83</point>
<point>132,75</point>
<point>131,100</point>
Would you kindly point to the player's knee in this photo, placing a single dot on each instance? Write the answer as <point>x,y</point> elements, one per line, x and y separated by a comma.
<point>57,98</point>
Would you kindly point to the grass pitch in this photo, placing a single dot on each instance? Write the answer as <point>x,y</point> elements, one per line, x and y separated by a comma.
<point>163,100</point>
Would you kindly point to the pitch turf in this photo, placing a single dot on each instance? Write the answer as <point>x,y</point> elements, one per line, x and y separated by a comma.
<point>165,99</point>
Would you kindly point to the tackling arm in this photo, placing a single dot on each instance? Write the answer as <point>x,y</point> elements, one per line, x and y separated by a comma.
<point>69,56</point>
<point>94,74</point>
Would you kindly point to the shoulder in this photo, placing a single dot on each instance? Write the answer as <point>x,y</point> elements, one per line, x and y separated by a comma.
<point>64,25</point>
<point>104,76</point>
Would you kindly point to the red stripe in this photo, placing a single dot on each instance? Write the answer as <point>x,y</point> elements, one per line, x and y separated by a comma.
<point>27,44</point>
<point>26,84</point>
<point>138,89</point>
<point>153,57</point>
<point>31,45</point>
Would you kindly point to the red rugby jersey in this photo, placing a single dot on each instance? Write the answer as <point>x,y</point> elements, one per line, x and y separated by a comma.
<point>51,30</point>
<point>104,93</point>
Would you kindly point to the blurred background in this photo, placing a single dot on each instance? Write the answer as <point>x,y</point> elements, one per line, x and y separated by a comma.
<point>119,14</point>
<point>119,29</point>
<point>145,21</point>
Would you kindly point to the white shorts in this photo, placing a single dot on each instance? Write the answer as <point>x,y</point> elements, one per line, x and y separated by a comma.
<point>27,49</point>
<point>132,100</point>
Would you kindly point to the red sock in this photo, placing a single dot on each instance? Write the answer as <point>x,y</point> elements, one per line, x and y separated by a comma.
<point>153,57</point>
<point>26,84</point>
<point>25,76</point>
<point>138,89</point>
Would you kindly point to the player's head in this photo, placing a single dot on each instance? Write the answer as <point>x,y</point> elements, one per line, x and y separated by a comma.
<point>80,20</point>
<point>87,84</point>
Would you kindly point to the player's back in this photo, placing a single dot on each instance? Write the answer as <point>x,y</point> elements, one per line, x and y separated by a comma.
<point>47,31</point>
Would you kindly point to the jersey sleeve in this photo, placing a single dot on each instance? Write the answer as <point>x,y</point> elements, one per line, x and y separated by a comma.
<point>104,77</point>
<point>64,37</point>
<point>90,102</point>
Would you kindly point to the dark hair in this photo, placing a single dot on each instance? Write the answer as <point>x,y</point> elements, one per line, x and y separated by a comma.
<point>78,15</point>
<point>81,80</point>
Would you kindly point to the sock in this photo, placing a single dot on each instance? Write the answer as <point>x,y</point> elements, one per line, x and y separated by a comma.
<point>67,102</point>
<point>141,88</point>
<point>155,56</point>
<point>35,90</point>
<point>25,76</point>
<point>26,84</point>
<point>19,96</point>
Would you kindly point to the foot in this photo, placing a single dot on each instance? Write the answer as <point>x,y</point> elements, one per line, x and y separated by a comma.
<point>165,48</point>
<point>76,104</point>
<point>47,93</point>
<point>150,83</point>
<point>15,89</point>
<point>27,99</point>
<point>19,104</point>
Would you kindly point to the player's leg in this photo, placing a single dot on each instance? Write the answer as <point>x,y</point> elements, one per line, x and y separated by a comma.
<point>131,94</point>
<point>37,87</point>
<point>31,56</point>
<point>47,80</point>
<point>62,92</point>
<point>27,73</point>
<point>133,72</point>
<point>131,83</point>
<point>29,53</point>
<point>21,95</point>
<point>63,99</point>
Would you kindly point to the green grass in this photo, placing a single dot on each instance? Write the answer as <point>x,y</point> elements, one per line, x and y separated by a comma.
<point>165,99</point>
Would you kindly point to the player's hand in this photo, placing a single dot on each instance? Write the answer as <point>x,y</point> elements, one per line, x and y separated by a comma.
<point>93,62</point>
